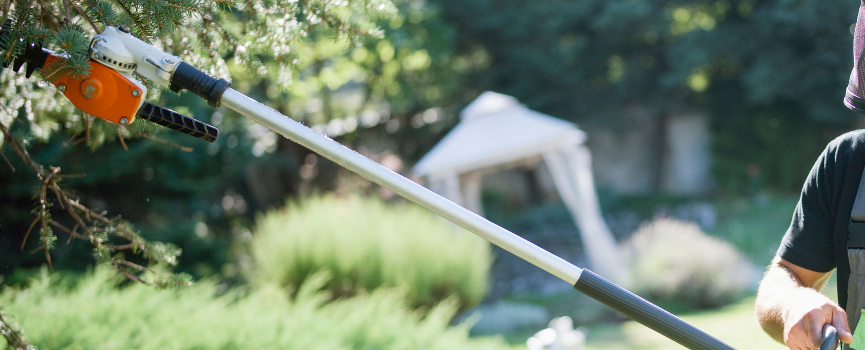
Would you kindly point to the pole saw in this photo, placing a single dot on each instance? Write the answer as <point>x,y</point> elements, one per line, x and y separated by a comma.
<point>112,93</point>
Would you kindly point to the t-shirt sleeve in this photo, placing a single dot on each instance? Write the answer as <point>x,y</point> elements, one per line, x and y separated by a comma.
<point>808,242</point>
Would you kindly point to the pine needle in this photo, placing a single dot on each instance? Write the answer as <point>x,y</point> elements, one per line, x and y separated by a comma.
<point>2,153</point>
<point>27,235</point>
<point>120,129</point>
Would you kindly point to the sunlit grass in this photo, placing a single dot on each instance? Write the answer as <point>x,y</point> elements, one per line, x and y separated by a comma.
<point>734,325</point>
<point>96,314</point>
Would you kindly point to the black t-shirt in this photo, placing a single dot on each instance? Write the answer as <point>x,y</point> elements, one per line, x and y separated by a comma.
<point>817,237</point>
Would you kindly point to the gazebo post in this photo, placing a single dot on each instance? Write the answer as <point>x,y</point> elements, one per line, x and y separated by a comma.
<point>471,191</point>
<point>571,170</point>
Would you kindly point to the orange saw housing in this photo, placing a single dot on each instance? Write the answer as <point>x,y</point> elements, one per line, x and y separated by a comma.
<point>105,93</point>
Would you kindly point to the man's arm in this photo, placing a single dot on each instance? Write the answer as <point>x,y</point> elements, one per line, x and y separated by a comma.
<point>791,309</point>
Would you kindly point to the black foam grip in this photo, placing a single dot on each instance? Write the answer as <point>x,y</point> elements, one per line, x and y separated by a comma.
<point>176,121</point>
<point>200,83</point>
<point>648,314</point>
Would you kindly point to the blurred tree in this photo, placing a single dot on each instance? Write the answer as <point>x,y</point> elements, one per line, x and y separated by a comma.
<point>390,99</point>
<point>776,74</point>
<point>593,61</point>
<point>393,93</point>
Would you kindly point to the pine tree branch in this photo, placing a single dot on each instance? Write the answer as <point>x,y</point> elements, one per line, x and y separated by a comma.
<point>6,6</point>
<point>134,19</point>
<point>249,8</point>
<point>71,232</point>
<point>205,39</point>
<point>22,153</point>
<point>47,236</point>
<point>87,128</point>
<point>37,249</point>
<point>133,265</point>
<point>72,137</point>
<point>130,275</point>
<point>117,229</point>
<point>120,129</point>
<point>122,247</point>
<point>47,178</point>
<point>14,339</point>
<point>68,19</point>
<point>10,51</point>
<point>27,235</point>
<point>85,218</point>
<point>3,154</point>
<point>85,16</point>
<point>48,257</point>
<point>47,11</point>
<point>190,9</point>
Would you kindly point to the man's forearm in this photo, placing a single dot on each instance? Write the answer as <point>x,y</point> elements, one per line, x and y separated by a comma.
<point>778,287</point>
<point>791,309</point>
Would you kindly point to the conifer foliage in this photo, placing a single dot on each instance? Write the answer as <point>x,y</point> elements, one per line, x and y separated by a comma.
<point>258,34</point>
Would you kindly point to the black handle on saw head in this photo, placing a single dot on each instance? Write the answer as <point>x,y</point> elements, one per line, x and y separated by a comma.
<point>176,121</point>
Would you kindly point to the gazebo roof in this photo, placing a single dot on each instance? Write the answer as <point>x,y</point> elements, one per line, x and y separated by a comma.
<point>496,129</point>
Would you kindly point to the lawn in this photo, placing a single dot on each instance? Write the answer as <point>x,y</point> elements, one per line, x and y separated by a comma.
<point>734,324</point>
<point>755,227</point>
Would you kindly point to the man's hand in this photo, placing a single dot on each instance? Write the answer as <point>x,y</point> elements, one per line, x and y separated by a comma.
<point>804,320</point>
<point>792,310</point>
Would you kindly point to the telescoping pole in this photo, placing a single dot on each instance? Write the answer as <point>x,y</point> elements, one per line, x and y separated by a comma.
<point>583,280</point>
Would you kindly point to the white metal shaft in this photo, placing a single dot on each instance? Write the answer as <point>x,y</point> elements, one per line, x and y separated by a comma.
<point>410,190</point>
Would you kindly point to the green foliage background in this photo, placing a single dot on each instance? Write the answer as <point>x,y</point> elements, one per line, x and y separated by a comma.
<point>770,74</point>
<point>740,61</point>
<point>751,65</point>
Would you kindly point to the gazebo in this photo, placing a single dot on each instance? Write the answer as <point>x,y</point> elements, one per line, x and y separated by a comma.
<point>497,132</point>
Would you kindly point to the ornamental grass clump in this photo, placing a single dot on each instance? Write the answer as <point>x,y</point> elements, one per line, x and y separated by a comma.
<point>673,261</point>
<point>98,314</point>
<point>365,244</point>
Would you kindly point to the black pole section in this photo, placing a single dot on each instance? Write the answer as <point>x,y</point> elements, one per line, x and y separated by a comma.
<point>648,314</point>
<point>830,338</point>
<point>200,83</point>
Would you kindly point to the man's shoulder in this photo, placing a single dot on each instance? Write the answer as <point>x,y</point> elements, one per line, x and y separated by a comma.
<point>850,142</point>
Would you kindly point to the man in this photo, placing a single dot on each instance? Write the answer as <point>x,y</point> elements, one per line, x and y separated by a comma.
<point>826,233</point>
<point>789,305</point>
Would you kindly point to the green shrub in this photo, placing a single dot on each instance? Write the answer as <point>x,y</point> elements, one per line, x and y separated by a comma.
<point>675,262</point>
<point>364,244</point>
<point>96,314</point>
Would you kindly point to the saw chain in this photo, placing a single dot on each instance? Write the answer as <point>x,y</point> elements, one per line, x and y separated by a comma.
<point>110,91</point>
